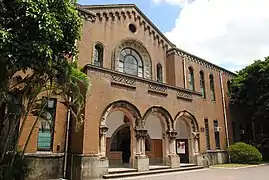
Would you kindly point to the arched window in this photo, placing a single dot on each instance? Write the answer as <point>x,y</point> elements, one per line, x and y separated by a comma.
<point>98,55</point>
<point>202,84</point>
<point>191,79</point>
<point>159,73</point>
<point>212,88</point>
<point>131,62</point>
<point>46,127</point>
<point>229,86</point>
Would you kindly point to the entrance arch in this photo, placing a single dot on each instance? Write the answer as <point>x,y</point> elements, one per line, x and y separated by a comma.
<point>187,140</point>
<point>158,122</point>
<point>119,117</point>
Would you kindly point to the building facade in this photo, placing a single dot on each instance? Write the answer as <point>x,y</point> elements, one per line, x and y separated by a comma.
<point>151,103</point>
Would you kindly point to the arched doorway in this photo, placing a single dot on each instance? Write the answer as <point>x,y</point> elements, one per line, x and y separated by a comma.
<point>158,122</point>
<point>121,143</point>
<point>117,136</point>
<point>187,139</point>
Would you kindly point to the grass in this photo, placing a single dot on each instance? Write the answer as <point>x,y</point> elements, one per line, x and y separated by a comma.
<point>231,165</point>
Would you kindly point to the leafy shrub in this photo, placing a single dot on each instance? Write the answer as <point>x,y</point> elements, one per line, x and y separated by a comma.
<point>244,153</point>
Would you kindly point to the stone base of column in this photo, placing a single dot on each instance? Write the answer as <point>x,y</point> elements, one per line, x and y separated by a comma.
<point>89,167</point>
<point>173,161</point>
<point>141,163</point>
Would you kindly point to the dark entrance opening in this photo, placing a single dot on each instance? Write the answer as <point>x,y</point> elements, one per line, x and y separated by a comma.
<point>122,142</point>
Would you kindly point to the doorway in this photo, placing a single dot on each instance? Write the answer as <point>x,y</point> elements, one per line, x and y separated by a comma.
<point>121,142</point>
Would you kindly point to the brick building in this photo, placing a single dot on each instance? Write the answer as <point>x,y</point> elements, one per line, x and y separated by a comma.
<point>151,102</point>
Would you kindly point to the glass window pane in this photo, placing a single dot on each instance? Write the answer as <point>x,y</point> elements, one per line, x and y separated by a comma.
<point>130,65</point>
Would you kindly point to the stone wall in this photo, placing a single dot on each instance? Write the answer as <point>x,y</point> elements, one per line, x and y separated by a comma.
<point>45,166</point>
<point>212,157</point>
<point>86,167</point>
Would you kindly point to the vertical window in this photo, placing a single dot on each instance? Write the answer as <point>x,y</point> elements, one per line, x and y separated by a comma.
<point>229,86</point>
<point>159,73</point>
<point>212,88</point>
<point>202,84</point>
<point>191,79</point>
<point>98,55</point>
<point>217,138</point>
<point>207,134</point>
<point>46,127</point>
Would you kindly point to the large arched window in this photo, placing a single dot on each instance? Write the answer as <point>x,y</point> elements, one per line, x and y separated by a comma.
<point>159,73</point>
<point>98,55</point>
<point>202,84</point>
<point>191,79</point>
<point>229,86</point>
<point>212,87</point>
<point>131,62</point>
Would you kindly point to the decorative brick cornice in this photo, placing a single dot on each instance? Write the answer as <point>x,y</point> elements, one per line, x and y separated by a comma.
<point>184,95</point>
<point>130,11</point>
<point>188,56</point>
<point>85,14</point>
<point>123,81</point>
<point>156,88</point>
<point>136,79</point>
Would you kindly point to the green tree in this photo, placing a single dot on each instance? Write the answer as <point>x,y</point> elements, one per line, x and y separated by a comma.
<point>37,45</point>
<point>250,94</point>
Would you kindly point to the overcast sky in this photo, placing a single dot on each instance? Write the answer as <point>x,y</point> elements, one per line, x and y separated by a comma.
<point>229,33</point>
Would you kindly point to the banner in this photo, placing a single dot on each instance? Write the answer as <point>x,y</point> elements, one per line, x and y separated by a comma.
<point>181,147</point>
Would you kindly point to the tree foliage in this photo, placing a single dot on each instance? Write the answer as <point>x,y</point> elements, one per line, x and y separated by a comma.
<point>250,90</point>
<point>37,43</point>
<point>250,95</point>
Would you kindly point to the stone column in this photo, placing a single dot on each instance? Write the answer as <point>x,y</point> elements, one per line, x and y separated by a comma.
<point>141,161</point>
<point>173,160</point>
<point>195,143</point>
<point>102,134</point>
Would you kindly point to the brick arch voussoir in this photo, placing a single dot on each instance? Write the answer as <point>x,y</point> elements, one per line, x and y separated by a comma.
<point>163,114</point>
<point>191,120</point>
<point>130,110</point>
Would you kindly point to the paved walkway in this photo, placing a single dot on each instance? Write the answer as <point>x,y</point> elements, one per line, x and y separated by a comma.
<point>250,173</point>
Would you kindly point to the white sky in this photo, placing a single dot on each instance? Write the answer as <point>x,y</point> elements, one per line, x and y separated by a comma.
<point>230,33</point>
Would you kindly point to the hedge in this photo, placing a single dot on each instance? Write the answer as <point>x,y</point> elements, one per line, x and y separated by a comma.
<point>243,153</point>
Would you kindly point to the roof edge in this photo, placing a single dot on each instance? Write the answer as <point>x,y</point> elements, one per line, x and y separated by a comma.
<point>216,66</point>
<point>138,10</point>
<point>80,8</point>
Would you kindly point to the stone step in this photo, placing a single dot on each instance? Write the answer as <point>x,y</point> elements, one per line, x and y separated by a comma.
<point>124,170</point>
<point>129,174</point>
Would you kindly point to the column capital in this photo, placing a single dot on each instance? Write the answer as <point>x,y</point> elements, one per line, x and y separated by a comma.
<point>171,134</point>
<point>103,130</point>
<point>195,135</point>
<point>140,132</point>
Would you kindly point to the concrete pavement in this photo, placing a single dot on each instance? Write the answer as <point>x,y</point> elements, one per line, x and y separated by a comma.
<point>249,173</point>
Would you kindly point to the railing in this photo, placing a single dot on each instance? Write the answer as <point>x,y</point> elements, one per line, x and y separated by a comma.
<point>154,87</point>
